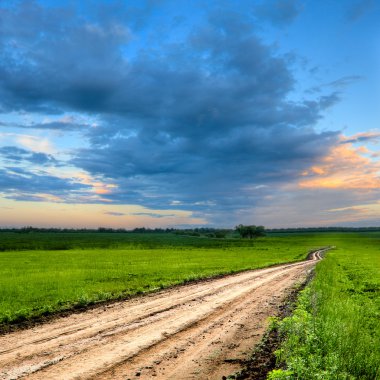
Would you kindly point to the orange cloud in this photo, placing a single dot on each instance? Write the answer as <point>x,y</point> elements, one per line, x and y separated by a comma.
<point>345,167</point>
<point>97,186</point>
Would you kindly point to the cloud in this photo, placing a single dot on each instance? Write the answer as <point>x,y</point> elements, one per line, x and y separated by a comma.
<point>153,215</point>
<point>341,189</point>
<point>278,12</point>
<point>60,55</point>
<point>292,206</point>
<point>18,183</point>
<point>345,81</point>
<point>366,214</point>
<point>114,213</point>
<point>201,123</point>
<point>12,153</point>
<point>205,135</point>
<point>345,167</point>
<point>338,85</point>
<point>35,143</point>
<point>59,125</point>
<point>362,137</point>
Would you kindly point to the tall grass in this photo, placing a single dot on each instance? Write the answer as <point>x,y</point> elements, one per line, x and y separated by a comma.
<point>335,331</point>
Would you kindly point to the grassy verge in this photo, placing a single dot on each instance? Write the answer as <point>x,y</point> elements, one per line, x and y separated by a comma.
<point>37,283</point>
<point>263,358</point>
<point>335,332</point>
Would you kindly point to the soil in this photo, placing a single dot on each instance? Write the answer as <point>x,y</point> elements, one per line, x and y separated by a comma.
<point>204,330</point>
<point>263,358</point>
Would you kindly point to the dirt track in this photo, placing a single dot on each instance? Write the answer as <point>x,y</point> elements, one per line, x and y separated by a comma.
<point>196,331</point>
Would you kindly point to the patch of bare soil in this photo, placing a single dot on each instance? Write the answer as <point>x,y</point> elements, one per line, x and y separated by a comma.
<point>204,330</point>
<point>263,358</point>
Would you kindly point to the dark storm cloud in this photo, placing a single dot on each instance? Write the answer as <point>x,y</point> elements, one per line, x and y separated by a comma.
<point>225,173</point>
<point>278,12</point>
<point>52,57</point>
<point>203,123</point>
<point>65,61</point>
<point>220,126</point>
<point>12,153</point>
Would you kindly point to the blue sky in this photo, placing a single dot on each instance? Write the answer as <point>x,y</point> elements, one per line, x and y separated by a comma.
<point>178,113</point>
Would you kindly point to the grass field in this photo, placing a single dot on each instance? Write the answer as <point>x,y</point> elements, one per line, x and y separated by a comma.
<point>10,241</point>
<point>333,334</point>
<point>38,282</point>
<point>335,330</point>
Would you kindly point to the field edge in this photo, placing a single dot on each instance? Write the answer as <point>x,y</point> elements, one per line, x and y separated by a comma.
<point>46,317</point>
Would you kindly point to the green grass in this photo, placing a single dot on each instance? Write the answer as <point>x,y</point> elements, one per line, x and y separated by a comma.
<point>21,241</point>
<point>10,241</point>
<point>335,330</point>
<point>38,282</point>
<point>333,334</point>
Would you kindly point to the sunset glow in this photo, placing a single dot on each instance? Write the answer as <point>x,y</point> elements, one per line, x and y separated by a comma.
<point>174,113</point>
<point>346,167</point>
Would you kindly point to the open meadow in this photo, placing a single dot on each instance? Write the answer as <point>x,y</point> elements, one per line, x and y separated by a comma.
<point>334,332</point>
<point>42,273</point>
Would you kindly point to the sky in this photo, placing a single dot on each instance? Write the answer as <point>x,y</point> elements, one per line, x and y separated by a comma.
<point>176,113</point>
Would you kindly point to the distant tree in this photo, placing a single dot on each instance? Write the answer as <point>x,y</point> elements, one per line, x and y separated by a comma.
<point>221,234</point>
<point>249,232</point>
<point>260,231</point>
<point>28,229</point>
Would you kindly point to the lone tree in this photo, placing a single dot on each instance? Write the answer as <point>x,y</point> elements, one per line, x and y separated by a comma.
<point>250,231</point>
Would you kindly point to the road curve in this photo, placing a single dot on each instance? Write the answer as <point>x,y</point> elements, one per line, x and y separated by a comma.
<point>197,331</point>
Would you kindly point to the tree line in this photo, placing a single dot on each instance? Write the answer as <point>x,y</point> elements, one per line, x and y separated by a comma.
<point>244,231</point>
<point>250,232</point>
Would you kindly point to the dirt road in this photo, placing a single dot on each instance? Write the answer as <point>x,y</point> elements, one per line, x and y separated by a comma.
<point>196,331</point>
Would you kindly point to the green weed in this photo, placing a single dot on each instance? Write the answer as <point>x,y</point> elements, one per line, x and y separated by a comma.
<point>335,331</point>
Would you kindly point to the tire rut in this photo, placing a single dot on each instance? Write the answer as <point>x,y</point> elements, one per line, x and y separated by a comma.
<point>131,337</point>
